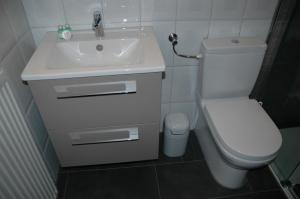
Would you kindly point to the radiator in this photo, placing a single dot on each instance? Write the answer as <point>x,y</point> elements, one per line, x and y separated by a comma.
<point>23,173</point>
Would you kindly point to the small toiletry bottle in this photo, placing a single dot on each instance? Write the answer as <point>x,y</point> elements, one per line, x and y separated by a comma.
<point>68,27</point>
<point>66,33</point>
<point>60,30</point>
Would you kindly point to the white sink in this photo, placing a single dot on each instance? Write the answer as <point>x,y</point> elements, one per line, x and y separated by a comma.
<point>120,51</point>
<point>84,53</point>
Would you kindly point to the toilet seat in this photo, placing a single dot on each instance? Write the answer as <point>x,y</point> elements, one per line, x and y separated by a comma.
<point>243,129</point>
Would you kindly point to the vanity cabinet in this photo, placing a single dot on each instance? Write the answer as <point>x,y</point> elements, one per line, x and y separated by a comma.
<point>107,119</point>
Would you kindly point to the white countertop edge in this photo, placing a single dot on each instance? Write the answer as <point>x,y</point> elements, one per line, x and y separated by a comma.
<point>33,77</point>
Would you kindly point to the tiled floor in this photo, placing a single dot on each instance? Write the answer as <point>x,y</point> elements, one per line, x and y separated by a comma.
<point>297,190</point>
<point>166,178</point>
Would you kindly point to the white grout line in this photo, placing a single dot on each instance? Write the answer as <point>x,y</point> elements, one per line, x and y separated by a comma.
<point>242,18</point>
<point>66,186</point>
<point>134,166</point>
<point>157,183</point>
<point>140,13</point>
<point>210,20</point>
<point>64,11</point>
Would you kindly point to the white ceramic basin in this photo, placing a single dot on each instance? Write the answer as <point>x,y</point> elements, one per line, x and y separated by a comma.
<point>120,51</point>
<point>84,53</point>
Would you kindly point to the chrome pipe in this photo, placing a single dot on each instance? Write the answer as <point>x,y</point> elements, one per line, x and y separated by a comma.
<point>173,38</point>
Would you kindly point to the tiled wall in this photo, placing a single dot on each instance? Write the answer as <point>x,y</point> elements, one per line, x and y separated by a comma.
<point>16,48</point>
<point>192,20</point>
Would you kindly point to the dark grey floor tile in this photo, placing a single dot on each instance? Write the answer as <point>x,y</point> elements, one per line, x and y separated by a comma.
<point>123,183</point>
<point>193,150</point>
<point>190,181</point>
<point>296,189</point>
<point>162,157</point>
<point>61,184</point>
<point>260,195</point>
<point>222,191</point>
<point>271,194</point>
<point>107,166</point>
<point>184,177</point>
<point>192,153</point>
<point>262,179</point>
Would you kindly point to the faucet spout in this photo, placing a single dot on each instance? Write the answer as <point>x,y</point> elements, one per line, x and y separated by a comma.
<point>98,24</point>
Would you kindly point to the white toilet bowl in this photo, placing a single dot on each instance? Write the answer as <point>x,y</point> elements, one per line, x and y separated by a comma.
<point>241,137</point>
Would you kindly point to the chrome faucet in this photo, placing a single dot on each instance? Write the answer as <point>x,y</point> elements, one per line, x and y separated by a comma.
<point>97,24</point>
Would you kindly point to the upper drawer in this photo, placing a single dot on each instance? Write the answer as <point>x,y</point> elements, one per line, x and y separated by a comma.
<point>77,103</point>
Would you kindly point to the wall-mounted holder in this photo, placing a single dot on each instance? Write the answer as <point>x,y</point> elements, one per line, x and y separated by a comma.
<point>173,38</point>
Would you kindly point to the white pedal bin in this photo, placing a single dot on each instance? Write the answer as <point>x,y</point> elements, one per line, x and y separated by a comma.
<point>176,134</point>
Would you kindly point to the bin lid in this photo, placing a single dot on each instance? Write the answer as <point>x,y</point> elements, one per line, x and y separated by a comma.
<point>178,123</point>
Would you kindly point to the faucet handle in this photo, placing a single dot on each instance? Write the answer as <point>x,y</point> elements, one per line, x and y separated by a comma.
<point>97,14</point>
<point>97,18</point>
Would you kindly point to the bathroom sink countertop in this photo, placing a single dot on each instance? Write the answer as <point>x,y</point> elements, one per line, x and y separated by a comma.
<point>120,51</point>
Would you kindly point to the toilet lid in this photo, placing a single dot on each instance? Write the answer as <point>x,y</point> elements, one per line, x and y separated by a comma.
<point>243,128</point>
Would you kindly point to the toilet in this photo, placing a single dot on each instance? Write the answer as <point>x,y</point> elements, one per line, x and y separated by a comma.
<point>240,134</point>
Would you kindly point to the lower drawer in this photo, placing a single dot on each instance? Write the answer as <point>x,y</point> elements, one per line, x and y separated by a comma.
<point>107,145</point>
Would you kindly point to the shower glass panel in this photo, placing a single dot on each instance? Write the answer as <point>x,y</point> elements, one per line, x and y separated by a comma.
<point>289,157</point>
<point>281,99</point>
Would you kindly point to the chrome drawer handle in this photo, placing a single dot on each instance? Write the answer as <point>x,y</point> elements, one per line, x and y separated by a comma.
<point>104,136</point>
<point>94,95</point>
<point>95,89</point>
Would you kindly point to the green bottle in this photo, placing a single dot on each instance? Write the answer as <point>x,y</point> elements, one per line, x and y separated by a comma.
<point>60,30</point>
<point>66,33</point>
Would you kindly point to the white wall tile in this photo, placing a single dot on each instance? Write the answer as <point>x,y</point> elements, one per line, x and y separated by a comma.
<point>116,11</point>
<point>43,13</point>
<point>106,25</point>
<point>82,27</point>
<point>255,28</point>
<point>36,124</point>
<point>184,84</point>
<point>80,12</point>
<point>193,10</point>
<point>27,46</point>
<point>121,25</point>
<point>39,33</point>
<point>162,31</point>
<point>220,28</point>
<point>165,109</point>
<point>16,47</point>
<point>17,16</point>
<point>190,36</point>
<point>201,121</point>
<point>187,108</point>
<point>158,10</point>
<point>7,40</point>
<point>13,66</point>
<point>167,85</point>
<point>260,9</point>
<point>228,9</point>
